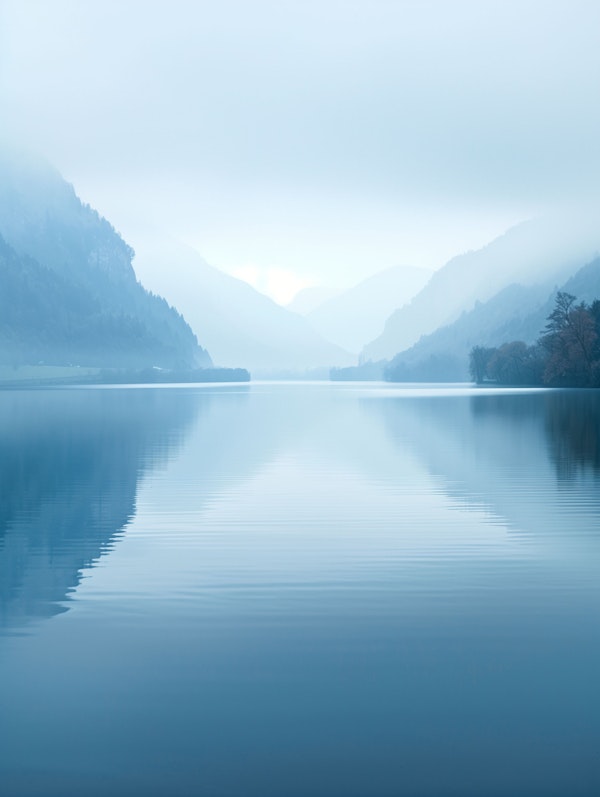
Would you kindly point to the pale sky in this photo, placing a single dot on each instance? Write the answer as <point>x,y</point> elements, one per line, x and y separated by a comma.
<point>297,143</point>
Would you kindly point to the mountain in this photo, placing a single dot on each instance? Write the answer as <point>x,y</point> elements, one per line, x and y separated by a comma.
<point>516,313</point>
<point>585,283</point>
<point>357,315</point>
<point>308,299</point>
<point>68,291</point>
<point>546,250</point>
<point>239,325</point>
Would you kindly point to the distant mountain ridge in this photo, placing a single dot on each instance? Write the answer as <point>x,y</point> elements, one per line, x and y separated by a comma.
<point>537,252</point>
<point>308,299</point>
<point>356,316</point>
<point>68,291</point>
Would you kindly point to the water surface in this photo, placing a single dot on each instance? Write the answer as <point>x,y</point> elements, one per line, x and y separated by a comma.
<point>299,590</point>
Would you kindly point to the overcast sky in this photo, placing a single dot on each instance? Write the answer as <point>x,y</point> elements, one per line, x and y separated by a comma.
<point>310,142</point>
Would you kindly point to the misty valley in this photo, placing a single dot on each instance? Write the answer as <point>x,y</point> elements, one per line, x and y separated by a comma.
<point>77,304</point>
<point>344,545</point>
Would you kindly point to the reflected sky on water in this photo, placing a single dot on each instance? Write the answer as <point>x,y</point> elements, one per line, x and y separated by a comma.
<point>301,589</point>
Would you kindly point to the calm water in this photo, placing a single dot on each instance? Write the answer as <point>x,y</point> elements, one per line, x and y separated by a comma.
<point>298,590</point>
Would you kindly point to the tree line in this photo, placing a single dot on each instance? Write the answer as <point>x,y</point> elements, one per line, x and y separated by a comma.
<point>567,353</point>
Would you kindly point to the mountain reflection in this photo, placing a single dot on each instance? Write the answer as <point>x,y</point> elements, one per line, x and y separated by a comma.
<point>70,462</point>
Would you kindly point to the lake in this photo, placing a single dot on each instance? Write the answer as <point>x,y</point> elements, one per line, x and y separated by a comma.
<point>297,590</point>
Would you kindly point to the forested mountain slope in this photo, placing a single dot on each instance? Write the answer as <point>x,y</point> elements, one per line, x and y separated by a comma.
<point>515,313</point>
<point>68,291</point>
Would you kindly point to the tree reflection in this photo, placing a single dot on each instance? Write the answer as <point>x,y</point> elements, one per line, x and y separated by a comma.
<point>571,424</point>
<point>573,432</point>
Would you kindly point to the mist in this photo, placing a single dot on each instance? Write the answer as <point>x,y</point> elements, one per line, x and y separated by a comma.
<point>299,398</point>
<point>327,140</point>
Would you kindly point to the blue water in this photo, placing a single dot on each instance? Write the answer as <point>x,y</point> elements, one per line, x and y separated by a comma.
<point>339,590</point>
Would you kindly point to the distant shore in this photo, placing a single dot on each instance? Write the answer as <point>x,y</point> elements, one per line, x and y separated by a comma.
<point>56,375</point>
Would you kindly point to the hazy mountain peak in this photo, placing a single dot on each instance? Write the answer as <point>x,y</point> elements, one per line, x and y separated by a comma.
<point>308,299</point>
<point>355,316</point>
